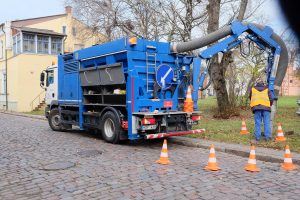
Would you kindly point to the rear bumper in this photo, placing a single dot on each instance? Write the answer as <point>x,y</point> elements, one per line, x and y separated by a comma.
<point>161,135</point>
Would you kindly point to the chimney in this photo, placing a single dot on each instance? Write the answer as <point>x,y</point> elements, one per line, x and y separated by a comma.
<point>68,10</point>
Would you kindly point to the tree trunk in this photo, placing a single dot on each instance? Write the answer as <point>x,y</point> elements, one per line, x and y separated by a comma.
<point>242,11</point>
<point>217,70</point>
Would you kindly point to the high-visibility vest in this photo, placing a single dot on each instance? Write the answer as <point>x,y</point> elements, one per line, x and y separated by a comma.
<point>260,98</point>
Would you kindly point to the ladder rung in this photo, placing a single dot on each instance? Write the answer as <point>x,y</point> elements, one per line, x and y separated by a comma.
<point>150,47</point>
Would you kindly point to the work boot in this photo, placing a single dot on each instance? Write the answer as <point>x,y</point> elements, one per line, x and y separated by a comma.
<point>269,140</point>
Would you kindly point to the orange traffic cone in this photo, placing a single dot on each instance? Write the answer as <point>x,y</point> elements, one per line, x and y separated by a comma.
<point>251,166</point>
<point>188,103</point>
<point>244,130</point>
<point>164,160</point>
<point>212,161</point>
<point>288,163</point>
<point>280,137</point>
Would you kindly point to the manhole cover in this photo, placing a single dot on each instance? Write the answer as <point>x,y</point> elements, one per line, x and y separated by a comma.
<point>58,166</point>
<point>89,153</point>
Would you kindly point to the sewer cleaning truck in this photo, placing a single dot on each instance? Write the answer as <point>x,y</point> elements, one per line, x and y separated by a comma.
<point>134,88</point>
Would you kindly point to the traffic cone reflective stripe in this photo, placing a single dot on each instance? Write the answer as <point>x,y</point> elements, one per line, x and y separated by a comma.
<point>244,130</point>
<point>280,136</point>
<point>189,94</point>
<point>251,166</point>
<point>164,158</point>
<point>188,102</point>
<point>212,161</point>
<point>288,162</point>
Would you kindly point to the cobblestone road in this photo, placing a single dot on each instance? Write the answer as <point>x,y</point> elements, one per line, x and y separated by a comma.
<point>124,171</point>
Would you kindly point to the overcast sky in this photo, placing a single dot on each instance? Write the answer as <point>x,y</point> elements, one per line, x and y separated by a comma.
<point>274,15</point>
<point>22,9</point>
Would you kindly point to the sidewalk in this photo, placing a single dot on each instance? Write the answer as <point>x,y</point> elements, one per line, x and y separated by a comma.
<point>263,154</point>
<point>41,117</point>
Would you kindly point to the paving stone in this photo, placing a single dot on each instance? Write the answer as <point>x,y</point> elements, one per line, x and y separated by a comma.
<point>126,171</point>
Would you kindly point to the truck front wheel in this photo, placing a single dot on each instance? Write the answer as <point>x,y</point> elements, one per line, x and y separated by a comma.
<point>110,127</point>
<point>54,120</point>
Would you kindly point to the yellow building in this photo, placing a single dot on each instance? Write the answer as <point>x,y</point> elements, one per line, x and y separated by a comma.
<point>28,46</point>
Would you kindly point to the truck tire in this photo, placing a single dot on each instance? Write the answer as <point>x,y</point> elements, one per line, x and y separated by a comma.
<point>54,120</point>
<point>110,127</point>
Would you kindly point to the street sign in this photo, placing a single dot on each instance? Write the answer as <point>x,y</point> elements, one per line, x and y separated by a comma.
<point>164,76</point>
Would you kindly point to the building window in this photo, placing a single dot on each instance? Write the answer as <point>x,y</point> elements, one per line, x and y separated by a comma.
<point>19,43</point>
<point>291,81</point>
<point>28,43</point>
<point>2,82</point>
<point>56,45</point>
<point>43,44</point>
<point>1,49</point>
<point>64,30</point>
<point>16,44</point>
<point>73,31</point>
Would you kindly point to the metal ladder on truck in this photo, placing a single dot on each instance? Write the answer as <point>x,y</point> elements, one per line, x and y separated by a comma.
<point>150,66</point>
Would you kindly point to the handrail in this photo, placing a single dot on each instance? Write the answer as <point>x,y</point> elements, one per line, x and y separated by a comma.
<point>38,97</point>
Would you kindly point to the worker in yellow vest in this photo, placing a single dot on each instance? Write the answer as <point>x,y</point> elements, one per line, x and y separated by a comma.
<point>261,102</point>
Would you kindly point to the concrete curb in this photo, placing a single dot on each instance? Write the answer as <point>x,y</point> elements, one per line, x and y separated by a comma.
<point>40,117</point>
<point>263,154</point>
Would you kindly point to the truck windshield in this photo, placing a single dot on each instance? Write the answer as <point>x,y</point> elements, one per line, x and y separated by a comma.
<point>50,77</point>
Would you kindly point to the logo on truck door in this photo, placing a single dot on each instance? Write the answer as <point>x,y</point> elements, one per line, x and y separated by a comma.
<point>164,76</point>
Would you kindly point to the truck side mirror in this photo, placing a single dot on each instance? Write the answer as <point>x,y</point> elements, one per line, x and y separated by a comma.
<point>42,79</point>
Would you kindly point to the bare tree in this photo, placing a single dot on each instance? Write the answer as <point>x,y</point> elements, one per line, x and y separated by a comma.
<point>182,17</point>
<point>119,18</point>
<point>238,10</point>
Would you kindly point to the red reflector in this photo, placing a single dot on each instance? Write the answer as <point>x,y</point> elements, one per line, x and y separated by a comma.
<point>125,125</point>
<point>168,104</point>
<point>148,121</point>
<point>196,117</point>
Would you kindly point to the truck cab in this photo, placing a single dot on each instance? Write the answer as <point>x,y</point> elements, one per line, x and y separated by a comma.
<point>49,81</point>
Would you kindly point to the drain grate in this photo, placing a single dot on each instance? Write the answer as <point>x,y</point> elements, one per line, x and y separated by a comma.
<point>89,153</point>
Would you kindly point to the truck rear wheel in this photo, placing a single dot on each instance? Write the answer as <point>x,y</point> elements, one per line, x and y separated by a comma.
<point>54,120</point>
<point>111,128</point>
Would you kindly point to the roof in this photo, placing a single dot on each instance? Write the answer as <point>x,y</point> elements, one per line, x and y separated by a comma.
<point>30,21</point>
<point>42,31</point>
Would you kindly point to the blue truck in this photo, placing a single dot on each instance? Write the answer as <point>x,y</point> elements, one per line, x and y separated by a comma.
<point>134,88</point>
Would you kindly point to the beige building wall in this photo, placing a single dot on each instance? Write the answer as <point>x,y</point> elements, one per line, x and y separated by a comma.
<point>28,84</point>
<point>24,80</point>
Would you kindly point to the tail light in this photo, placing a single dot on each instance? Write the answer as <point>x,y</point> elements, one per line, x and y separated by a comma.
<point>148,121</point>
<point>196,117</point>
